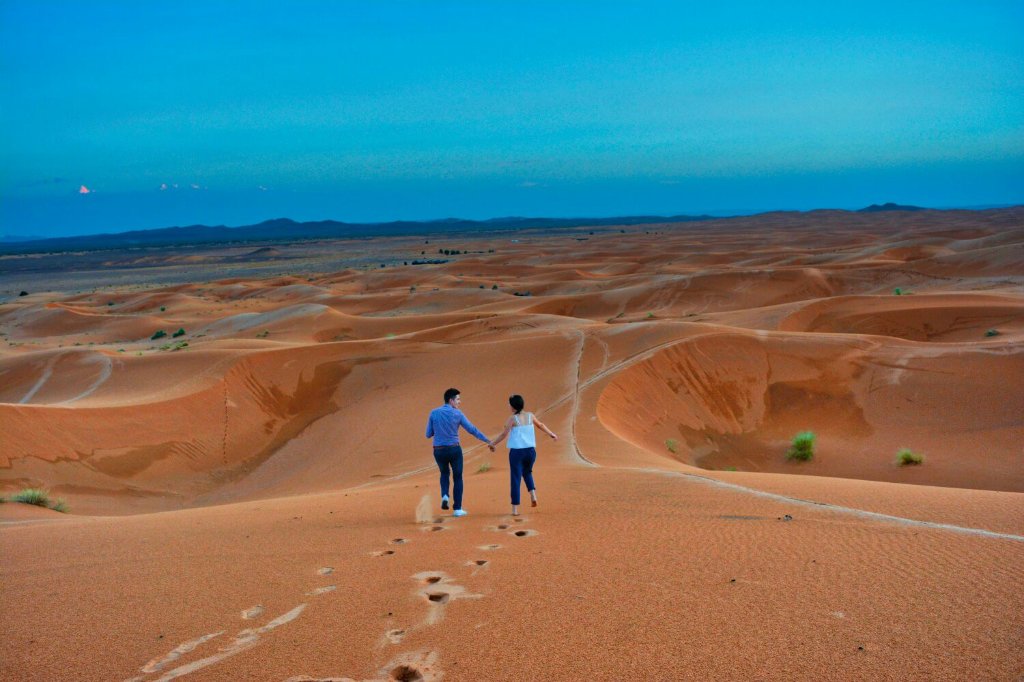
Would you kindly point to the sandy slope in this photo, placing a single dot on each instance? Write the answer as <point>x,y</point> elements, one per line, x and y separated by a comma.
<point>675,363</point>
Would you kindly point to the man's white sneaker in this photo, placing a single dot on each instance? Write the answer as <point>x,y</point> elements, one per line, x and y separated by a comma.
<point>459,512</point>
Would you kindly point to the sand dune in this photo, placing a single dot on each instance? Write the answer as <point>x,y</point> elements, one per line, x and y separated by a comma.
<point>244,495</point>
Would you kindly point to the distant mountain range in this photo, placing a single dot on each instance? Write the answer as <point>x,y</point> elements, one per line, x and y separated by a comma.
<point>875,208</point>
<point>284,229</point>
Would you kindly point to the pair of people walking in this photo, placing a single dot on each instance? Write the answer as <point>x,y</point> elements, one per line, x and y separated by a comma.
<point>443,426</point>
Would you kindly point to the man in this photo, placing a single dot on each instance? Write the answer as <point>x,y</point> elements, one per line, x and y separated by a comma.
<point>443,426</point>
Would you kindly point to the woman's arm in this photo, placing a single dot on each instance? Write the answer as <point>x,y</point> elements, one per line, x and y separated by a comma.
<point>540,425</point>
<point>508,427</point>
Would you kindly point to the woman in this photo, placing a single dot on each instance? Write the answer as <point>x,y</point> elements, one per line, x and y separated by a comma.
<point>522,452</point>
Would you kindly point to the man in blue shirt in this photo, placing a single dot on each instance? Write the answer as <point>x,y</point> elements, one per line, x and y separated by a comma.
<point>443,426</point>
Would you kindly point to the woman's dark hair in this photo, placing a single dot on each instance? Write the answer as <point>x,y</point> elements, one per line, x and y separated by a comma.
<point>451,393</point>
<point>517,403</point>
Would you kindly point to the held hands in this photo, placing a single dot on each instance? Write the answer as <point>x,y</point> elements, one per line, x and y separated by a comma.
<point>490,446</point>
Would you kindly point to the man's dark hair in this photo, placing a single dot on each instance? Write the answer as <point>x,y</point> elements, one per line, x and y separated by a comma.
<point>517,402</point>
<point>450,393</point>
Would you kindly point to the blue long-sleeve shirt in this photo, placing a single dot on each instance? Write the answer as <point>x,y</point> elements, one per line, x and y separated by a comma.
<point>443,426</point>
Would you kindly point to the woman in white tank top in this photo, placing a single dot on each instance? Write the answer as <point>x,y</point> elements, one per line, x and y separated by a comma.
<point>522,454</point>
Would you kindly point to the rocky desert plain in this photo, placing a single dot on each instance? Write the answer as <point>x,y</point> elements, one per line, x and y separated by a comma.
<point>254,498</point>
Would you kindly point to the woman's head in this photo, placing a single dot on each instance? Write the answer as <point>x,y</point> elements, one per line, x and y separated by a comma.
<point>517,402</point>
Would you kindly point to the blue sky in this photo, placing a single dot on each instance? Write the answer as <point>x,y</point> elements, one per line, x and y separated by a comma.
<point>368,111</point>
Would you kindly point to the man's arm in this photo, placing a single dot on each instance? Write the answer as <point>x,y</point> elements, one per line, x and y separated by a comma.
<point>466,424</point>
<point>430,427</point>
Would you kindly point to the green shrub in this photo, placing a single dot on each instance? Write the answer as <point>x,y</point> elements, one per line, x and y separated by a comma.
<point>992,332</point>
<point>897,291</point>
<point>36,496</point>
<point>163,308</point>
<point>158,334</point>
<point>60,506</point>
<point>802,448</point>
<point>180,332</point>
<point>672,445</point>
<point>906,456</point>
<point>484,468</point>
<point>494,287</point>
<point>650,316</point>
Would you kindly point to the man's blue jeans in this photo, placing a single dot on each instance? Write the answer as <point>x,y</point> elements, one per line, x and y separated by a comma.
<point>450,457</point>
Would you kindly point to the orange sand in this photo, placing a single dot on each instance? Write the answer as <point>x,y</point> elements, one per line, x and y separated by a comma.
<point>675,363</point>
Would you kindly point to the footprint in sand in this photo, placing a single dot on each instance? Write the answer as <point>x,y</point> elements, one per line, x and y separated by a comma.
<point>524,533</point>
<point>433,529</point>
<point>322,590</point>
<point>418,666</point>
<point>439,589</point>
<point>499,527</point>
<point>399,541</point>
<point>252,612</point>
<point>383,552</point>
<point>326,570</point>
<point>489,548</point>
<point>394,636</point>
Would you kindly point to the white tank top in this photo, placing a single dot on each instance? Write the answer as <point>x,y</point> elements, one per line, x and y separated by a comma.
<point>522,435</point>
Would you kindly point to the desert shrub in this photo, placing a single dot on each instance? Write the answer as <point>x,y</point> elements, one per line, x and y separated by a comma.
<point>263,334</point>
<point>650,316</point>
<point>484,468</point>
<point>802,448</point>
<point>180,332</point>
<point>907,456</point>
<point>24,293</point>
<point>158,334</point>
<point>897,291</point>
<point>60,506</point>
<point>36,496</point>
<point>494,287</point>
<point>672,445</point>
<point>163,308</point>
<point>992,332</point>
<point>412,288</point>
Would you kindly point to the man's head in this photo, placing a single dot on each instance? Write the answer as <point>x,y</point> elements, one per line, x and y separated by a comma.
<point>451,397</point>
